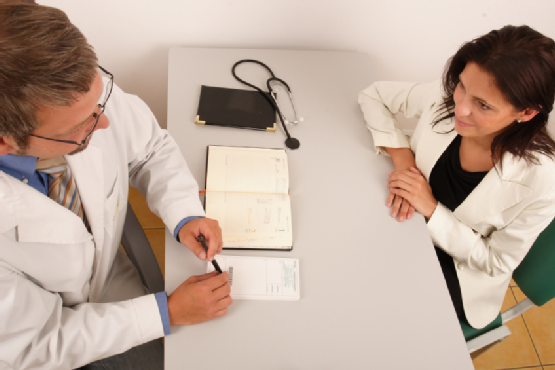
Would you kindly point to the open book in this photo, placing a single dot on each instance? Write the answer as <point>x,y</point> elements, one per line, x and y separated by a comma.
<point>247,192</point>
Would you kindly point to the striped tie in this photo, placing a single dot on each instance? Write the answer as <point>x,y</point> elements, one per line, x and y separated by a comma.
<point>62,188</point>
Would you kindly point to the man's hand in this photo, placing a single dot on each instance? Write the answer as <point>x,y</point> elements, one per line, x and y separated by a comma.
<point>199,299</point>
<point>212,234</point>
<point>403,159</point>
<point>412,186</point>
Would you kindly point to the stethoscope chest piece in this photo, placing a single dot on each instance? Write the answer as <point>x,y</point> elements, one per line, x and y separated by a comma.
<point>292,143</point>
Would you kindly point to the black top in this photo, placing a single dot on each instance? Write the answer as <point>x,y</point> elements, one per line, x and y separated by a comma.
<point>450,183</point>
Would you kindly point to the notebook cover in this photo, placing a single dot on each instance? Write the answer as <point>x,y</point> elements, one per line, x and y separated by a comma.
<point>222,106</point>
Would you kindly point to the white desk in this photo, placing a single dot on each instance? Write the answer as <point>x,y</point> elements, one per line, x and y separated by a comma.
<point>372,291</point>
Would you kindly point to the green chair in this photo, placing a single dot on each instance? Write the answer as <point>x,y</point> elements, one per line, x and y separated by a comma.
<point>535,276</point>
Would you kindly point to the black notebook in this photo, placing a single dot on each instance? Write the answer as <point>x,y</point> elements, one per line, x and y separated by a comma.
<point>220,106</point>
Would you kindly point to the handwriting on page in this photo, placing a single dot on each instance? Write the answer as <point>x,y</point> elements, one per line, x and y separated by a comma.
<point>244,171</point>
<point>250,216</point>
<point>270,174</point>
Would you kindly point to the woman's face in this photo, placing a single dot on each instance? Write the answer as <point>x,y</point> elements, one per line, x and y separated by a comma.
<point>481,111</point>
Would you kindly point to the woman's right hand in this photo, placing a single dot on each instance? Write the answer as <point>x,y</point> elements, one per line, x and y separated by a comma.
<point>403,159</point>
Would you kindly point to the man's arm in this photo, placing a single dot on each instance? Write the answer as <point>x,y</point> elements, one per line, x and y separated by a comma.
<point>38,332</point>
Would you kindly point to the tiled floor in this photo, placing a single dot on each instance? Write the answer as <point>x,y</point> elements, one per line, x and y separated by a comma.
<point>531,345</point>
<point>152,225</point>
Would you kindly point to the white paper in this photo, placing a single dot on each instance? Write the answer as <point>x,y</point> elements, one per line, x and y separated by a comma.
<point>260,277</point>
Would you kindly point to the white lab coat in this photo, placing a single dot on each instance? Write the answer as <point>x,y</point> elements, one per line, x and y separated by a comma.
<point>489,234</point>
<point>67,297</point>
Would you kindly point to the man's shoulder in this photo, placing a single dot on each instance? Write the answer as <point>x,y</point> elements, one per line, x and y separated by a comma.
<point>7,197</point>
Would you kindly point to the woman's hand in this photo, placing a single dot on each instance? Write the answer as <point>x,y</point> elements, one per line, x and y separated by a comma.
<point>403,159</point>
<point>413,187</point>
<point>399,206</point>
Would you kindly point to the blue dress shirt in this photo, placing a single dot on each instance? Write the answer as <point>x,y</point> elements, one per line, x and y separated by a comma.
<point>24,168</point>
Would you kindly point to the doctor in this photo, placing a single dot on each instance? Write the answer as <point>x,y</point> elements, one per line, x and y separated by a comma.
<point>480,164</point>
<point>71,143</point>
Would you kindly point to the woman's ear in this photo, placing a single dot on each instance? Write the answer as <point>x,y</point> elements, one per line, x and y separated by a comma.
<point>6,145</point>
<point>527,114</point>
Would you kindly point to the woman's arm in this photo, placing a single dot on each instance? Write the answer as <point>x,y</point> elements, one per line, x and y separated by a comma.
<point>403,159</point>
<point>499,252</point>
<point>380,102</point>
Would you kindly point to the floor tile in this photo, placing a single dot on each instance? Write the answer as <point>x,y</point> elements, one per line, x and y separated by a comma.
<point>157,238</point>
<point>552,367</point>
<point>541,325</point>
<point>512,283</point>
<point>147,219</point>
<point>515,351</point>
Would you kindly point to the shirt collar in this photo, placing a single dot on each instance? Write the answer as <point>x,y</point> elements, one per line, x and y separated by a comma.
<point>18,166</point>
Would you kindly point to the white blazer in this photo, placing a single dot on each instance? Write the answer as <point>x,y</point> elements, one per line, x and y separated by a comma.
<point>67,297</point>
<point>489,234</point>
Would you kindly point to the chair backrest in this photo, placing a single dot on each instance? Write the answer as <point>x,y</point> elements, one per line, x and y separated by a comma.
<point>535,275</point>
<point>138,249</point>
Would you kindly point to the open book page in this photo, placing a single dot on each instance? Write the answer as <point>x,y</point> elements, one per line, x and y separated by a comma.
<point>261,277</point>
<point>253,220</point>
<point>247,192</point>
<point>248,170</point>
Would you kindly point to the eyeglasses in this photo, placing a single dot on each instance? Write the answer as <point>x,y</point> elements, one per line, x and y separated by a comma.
<point>102,106</point>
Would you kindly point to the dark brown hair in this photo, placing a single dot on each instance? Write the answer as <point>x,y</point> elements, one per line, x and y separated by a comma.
<point>522,64</point>
<point>45,62</point>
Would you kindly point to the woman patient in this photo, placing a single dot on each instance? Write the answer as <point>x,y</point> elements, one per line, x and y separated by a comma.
<point>479,165</point>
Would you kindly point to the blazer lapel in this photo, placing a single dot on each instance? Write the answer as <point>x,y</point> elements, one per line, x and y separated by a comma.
<point>89,177</point>
<point>432,145</point>
<point>498,191</point>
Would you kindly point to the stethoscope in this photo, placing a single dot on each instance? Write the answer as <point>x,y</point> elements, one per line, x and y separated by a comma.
<point>290,142</point>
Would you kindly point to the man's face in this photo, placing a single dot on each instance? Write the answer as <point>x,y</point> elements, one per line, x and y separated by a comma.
<point>67,123</point>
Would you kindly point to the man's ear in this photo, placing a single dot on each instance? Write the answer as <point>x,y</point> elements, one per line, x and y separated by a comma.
<point>6,145</point>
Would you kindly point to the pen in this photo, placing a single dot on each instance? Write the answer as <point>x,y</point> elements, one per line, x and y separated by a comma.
<point>214,262</point>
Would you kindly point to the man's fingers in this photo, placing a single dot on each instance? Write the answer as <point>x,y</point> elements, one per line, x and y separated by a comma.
<point>215,245</point>
<point>220,313</point>
<point>222,291</point>
<point>204,277</point>
<point>217,281</point>
<point>213,236</point>
<point>224,302</point>
<point>195,246</point>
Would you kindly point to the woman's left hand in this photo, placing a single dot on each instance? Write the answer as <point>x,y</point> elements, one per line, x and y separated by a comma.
<point>411,185</point>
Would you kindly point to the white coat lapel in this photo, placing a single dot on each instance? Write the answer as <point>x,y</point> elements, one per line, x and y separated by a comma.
<point>89,176</point>
<point>40,219</point>
<point>495,193</point>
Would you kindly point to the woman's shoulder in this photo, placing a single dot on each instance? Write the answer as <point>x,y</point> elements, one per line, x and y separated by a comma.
<point>540,173</point>
<point>424,89</point>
